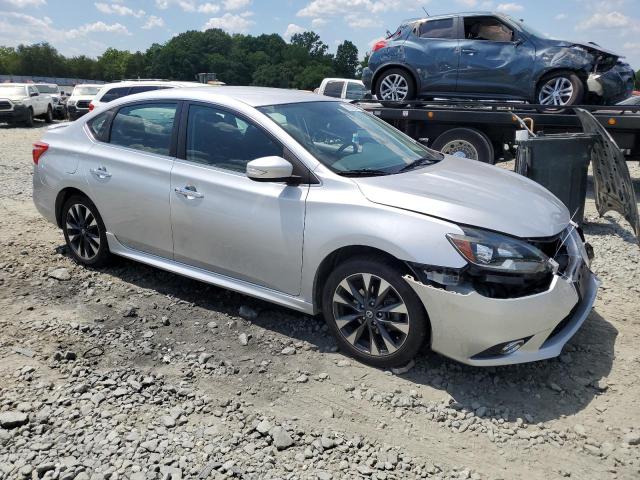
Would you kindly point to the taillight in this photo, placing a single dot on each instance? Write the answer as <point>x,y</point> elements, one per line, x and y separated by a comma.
<point>38,149</point>
<point>380,44</point>
<point>91,106</point>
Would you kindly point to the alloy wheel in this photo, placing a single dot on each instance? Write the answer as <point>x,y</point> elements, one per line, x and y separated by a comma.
<point>370,314</point>
<point>394,87</point>
<point>83,231</point>
<point>460,148</point>
<point>556,91</point>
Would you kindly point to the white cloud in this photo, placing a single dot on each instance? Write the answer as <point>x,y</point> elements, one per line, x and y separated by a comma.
<point>236,4</point>
<point>291,30</point>
<point>610,20</point>
<point>230,22</point>
<point>325,8</point>
<point>358,21</point>
<point>97,27</point>
<point>468,3</point>
<point>318,22</point>
<point>153,22</point>
<point>26,3</point>
<point>17,28</point>
<point>561,16</point>
<point>115,9</point>
<point>208,8</point>
<point>509,7</point>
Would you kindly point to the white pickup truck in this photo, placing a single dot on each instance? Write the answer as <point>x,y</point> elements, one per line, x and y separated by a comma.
<point>22,102</point>
<point>345,88</point>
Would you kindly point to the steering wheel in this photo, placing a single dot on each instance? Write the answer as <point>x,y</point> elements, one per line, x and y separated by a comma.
<point>346,145</point>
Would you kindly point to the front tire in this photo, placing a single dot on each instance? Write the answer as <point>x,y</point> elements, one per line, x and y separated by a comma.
<point>374,314</point>
<point>29,120</point>
<point>561,89</point>
<point>84,232</point>
<point>395,85</point>
<point>49,115</point>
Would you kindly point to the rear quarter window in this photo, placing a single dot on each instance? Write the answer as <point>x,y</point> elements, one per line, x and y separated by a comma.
<point>333,89</point>
<point>99,125</point>
<point>114,94</point>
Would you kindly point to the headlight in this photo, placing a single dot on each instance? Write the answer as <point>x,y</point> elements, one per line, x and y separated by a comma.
<point>497,252</point>
<point>17,102</point>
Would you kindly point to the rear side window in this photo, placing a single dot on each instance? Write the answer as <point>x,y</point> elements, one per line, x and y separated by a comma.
<point>143,88</point>
<point>115,93</point>
<point>333,89</point>
<point>355,91</point>
<point>443,28</point>
<point>99,125</point>
<point>146,127</point>
<point>221,139</point>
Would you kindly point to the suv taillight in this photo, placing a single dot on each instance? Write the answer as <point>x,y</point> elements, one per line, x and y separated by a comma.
<point>91,106</point>
<point>378,45</point>
<point>38,149</point>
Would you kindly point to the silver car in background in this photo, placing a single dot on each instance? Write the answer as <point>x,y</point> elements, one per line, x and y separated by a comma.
<point>316,205</point>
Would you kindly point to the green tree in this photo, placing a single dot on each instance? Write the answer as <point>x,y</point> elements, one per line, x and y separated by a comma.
<point>9,61</point>
<point>346,61</point>
<point>112,64</point>
<point>310,42</point>
<point>40,59</point>
<point>82,67</point>
<point>363,64</point>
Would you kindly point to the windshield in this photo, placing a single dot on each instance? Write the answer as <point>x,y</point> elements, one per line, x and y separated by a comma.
<point>85,90</point>
<point>347,139</point>
<point>526,28</point>
<point>12,91</point>
<point>47,89</point>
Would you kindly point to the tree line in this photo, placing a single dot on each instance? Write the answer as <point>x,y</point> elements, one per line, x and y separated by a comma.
<point>266,60</point>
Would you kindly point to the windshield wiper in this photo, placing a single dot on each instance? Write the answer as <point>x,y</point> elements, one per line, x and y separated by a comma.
<point>418,163</point>
<point>363,172</point>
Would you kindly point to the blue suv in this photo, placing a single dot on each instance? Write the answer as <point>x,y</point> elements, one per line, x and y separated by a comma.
<point>492,56</point>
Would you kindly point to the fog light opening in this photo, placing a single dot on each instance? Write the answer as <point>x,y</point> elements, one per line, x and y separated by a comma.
<point>512,347</point>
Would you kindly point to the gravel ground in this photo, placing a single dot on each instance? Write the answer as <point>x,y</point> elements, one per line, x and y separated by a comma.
<point>134,373</point>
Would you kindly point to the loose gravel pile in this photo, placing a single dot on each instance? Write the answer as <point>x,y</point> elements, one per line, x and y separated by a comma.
<point>133,373</point>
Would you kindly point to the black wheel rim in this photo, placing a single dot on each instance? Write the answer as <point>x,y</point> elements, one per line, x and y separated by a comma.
<point>370,314</point>
<point>83,232</point>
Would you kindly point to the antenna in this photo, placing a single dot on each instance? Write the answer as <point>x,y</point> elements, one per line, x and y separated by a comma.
<point>425,11</point>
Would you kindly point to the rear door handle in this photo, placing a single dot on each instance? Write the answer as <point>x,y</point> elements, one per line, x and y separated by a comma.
<point>100,172</point>
<point>189,192</point>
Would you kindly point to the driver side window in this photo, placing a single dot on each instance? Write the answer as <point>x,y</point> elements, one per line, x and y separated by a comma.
<point>221,139</point>
<point>489,29</point>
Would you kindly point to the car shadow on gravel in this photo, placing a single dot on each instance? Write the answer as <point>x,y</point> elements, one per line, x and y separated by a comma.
<point>538,391</point>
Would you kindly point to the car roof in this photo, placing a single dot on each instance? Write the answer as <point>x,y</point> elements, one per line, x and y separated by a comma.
<point>461,14</point>
<point>253,96</point>
<point>131,83</point>
<point>89,84</point>
<point>11,84</point>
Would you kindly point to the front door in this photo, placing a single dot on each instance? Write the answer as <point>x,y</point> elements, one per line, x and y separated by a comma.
<point>494,59</point>
<point>225,222</point>
<point>128,174</point>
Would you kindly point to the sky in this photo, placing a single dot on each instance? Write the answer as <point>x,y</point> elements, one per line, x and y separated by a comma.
<point>86,27</point>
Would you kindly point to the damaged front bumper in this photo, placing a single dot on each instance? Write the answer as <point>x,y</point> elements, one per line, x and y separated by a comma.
<point>614,85</point>
<point>472,328</point>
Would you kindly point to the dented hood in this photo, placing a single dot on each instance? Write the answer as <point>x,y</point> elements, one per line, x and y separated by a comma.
<point>590,46</point>
<point>472,193</point>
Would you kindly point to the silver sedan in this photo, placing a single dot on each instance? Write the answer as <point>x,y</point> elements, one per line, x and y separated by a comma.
<point>316,205</point>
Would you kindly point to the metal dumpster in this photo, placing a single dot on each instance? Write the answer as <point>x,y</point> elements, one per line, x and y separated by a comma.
<point>559,162</point>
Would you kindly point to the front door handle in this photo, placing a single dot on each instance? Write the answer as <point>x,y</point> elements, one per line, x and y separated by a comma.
<point>469,51</point>
<point>189,192</point>
<point>100,172</point>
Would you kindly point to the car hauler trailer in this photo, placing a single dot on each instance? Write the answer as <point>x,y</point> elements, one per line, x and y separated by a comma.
<point>486,131</point>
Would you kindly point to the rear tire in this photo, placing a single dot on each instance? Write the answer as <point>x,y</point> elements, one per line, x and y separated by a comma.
<point>384,325</point>
<point>84,232</point>
<point>466,143</point>
<point>395,85</point>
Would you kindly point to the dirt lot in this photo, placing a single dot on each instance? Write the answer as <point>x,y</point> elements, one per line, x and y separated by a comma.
<point>131,372</point>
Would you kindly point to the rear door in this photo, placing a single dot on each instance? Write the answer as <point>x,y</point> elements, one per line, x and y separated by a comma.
<point>495,59</point>
<point>128,171</point>
<point>436,54</point>
<point>222,220</point>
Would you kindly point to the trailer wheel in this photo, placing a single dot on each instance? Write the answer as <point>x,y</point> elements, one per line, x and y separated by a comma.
<point>465,143</point>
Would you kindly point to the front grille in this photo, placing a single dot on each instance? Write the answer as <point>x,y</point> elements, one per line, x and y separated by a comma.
<point>83,103</point>
<point>5,105</point>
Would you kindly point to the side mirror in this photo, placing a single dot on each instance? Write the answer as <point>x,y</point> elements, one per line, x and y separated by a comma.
<point>269,169</point>
<point>518,41</point>
<point>34,94</point>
